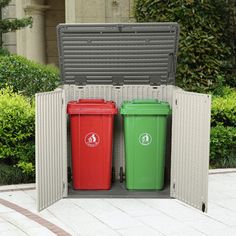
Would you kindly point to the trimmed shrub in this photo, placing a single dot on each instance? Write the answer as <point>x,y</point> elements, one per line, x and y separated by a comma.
<point>224,109</point>
<point>13,175</point>
<point>17,130</point>
<point>205,54</point>
<point>223,147</point>
<point>223,131</point>
<point>27,77</point>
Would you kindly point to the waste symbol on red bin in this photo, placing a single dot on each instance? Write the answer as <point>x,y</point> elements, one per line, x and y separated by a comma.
<point>92,139</point>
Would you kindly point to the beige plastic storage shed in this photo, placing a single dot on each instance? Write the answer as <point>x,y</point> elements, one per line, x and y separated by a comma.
<point>122,62</point>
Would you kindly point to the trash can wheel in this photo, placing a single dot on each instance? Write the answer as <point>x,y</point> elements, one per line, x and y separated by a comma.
<point>121,175</point>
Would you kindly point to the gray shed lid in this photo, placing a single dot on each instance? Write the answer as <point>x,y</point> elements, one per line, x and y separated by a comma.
<point>132,53</point>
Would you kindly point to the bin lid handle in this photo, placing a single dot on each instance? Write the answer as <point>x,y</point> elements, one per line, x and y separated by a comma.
<point>91,101</point>
<point>145,101</point>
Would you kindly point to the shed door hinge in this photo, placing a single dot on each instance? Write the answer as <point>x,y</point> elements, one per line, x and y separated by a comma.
<point>63,187</point>
<point>176,102</point>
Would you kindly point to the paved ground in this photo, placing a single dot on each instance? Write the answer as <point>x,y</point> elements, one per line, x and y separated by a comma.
<point>123,216</point>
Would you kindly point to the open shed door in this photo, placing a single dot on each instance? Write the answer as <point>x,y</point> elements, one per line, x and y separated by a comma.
<point>190,148</point>
<point>51,167</point>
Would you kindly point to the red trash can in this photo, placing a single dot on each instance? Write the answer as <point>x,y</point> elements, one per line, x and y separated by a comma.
<point>91,122</point>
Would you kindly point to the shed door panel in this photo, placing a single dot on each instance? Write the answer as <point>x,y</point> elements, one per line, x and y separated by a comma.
<point>50,148</point>
<point>190,148</point>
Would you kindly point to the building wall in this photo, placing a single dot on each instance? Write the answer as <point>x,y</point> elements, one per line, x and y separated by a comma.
<point>9,39</point>
<point>31,40</point>
<point>119,11</point>
<point>102,11</point>
<point>53,16</point>
<point>39,42</point>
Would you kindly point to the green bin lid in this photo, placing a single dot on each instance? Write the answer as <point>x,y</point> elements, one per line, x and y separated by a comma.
<point>145,107</point>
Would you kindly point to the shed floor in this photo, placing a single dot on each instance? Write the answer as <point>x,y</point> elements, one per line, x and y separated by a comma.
<point>118,190</point>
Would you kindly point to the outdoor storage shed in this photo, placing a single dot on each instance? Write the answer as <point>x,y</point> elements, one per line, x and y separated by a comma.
<point>122,62</point>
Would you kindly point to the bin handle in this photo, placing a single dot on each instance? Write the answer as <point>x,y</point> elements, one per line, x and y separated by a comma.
<point>91,100</point>
<point>145,101</point>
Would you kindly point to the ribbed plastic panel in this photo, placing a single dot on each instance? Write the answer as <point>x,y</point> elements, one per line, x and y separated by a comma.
<point>51,161</point>
<point>190,148</point>
<point>120,94</point>
<point>138,53</point>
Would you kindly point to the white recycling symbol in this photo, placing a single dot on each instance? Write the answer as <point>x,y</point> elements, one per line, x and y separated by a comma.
<point>92,139</point>
<point>145,139</point>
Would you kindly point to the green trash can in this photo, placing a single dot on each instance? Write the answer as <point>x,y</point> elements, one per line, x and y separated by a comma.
<point>145,124</point>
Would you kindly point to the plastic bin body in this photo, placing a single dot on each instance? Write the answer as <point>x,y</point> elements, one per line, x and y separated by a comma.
<point>145,123</point>
<point>91,123</point>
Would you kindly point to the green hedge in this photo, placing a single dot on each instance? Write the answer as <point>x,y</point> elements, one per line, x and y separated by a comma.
<point>17,130</point>
<point>223,147</point>
<point>223,131</point>
<point>26,76</point>
<point>13,175</point>
<point>224,109</point>
<point>205,54</point>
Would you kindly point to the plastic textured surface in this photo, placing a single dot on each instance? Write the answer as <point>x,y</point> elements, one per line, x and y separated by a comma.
<point>91,139</point>
<point>145,107</point>
<point>145,143</point>
<point>129,53</point>
<point>190,148</point>
<point>91,106</point>
<point>119,190</point>
<point>51,148</point>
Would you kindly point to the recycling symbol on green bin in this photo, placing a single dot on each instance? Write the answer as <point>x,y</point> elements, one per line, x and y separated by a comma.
<point>145,139</point>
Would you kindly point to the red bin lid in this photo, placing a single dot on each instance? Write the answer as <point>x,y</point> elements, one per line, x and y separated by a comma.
<point>91,106</point>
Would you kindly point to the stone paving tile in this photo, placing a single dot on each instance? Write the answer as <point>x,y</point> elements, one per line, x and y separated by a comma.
<point>4,209</point>
<point>206,225</point>
<point>6,226</point>
<point>66,226</point>
<point>190,232</point>
<point>95,207</point>
<point>224,215</point>
<point>70,211</point>
<point>19,220</point>
<point>132,207</point>
<point>176,211</point>
<point>39,231</point>
<point>18,197</point>
<point>140,231</point>
<point>227,231</point>
<point>13,233</point>
<point>164,224</point>
<point>118,220</point>
<point>96,227</point>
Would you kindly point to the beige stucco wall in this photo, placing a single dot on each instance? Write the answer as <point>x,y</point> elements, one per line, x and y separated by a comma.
<point>31,42</point>
<point>53,16</point>
<point>39,42</point>
<point>99,11</point>
<point>9,39</point>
